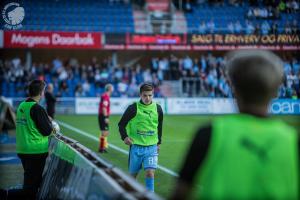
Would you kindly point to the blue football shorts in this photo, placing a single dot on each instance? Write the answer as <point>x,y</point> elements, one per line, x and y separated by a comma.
<point>146,156</point>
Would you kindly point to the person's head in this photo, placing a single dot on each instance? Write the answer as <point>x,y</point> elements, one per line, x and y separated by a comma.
<point>109,88</point>
<point>146,93</point>
<point>36,89</point>
<point>50,87</point>
<point>255,76</point>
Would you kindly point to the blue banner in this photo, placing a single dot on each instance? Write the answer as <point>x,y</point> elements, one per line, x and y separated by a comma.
<point>285,107</point>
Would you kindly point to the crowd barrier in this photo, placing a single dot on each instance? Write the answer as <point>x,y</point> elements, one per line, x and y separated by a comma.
<point>172,106</point>
<point>74,172</point>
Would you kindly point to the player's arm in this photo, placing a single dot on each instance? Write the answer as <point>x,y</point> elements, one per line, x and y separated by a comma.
<point>193,161</point>
<point>104,111</point>
<point>104,105</point>
<point>41,120</point>
<point>104,108</point>
<point>129,113</point>
<point>160,124</point>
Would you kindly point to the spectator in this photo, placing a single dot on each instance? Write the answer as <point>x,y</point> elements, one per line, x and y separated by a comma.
<point>147,75</point>
<point>295,27</point>
<point>174,68</point>
<point>270,13</point>
<point>230,27</point>
<point>50,100</point>
<point>274,28</point>
<point>257,29</point>
<point>64,90</point>
<point>295,6</point>
<point>288,28</point>
<point>211,26</point>
<point>250,13</point>
<point>238,27</point>
<point>256,12</point>
<point>249,27</point>
<point>187,63</point>
<point>196,67</point>
<point>287,67</point>
<point>57,64</point>
<point>163,65</point>
<point>188,6</point>
<point>122,88</point>
<point>203,64</point>
<point>154,65</point>
<point>265,28</point>
<point>79,91</point>
<point>295,66</point>
<point>211,79</point>
<point>202,28</point>
<point>139,75</point>
<point>282,6</point>
<point>289,6</point>
<point>86,86</point>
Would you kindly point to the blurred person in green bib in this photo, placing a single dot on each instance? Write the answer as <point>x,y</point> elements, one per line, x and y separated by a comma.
<point>247,155</point>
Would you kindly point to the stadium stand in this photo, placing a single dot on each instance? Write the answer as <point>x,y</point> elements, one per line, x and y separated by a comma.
<point>215,16</point>
<point>63,15</point>
<point>200,16</point>
<point>202,76</point>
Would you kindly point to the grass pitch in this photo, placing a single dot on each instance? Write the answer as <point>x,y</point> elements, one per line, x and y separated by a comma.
<point>178,132</point>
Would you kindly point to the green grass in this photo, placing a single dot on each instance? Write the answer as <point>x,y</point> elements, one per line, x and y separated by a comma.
<point>178,132</point>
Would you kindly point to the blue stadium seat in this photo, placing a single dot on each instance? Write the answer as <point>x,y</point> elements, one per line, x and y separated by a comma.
<point>80,15</point>
<point>222,15</point>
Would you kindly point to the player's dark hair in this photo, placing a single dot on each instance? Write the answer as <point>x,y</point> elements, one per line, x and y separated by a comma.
<point>255,75</point>
<point>36,87</point>
<point>146,87</point>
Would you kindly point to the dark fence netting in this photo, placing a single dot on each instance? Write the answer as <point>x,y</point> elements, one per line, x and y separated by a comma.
<point>74,172</point>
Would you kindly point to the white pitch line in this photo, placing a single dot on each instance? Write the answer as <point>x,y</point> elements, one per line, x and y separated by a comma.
<point>168,171</point>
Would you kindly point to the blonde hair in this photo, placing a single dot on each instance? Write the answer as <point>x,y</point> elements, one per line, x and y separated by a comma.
<point>108,87</point>
<point>255,74</point>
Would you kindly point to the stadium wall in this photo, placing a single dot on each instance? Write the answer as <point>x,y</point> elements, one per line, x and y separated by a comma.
<point>182,106</point>
<point>172,106</point>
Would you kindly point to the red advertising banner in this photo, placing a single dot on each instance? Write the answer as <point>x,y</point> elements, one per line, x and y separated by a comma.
<point>156,39</point>
<point>200,47</point>
<point>158,5</point>
<point>31,39</point>
<point>161,42</point>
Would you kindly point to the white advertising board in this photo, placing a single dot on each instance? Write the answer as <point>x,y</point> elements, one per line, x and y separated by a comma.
<point>189,106</point>
<point>117,105</point>
<point>224,106</point>
<point>178,106</point>
<point>86,105</point>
